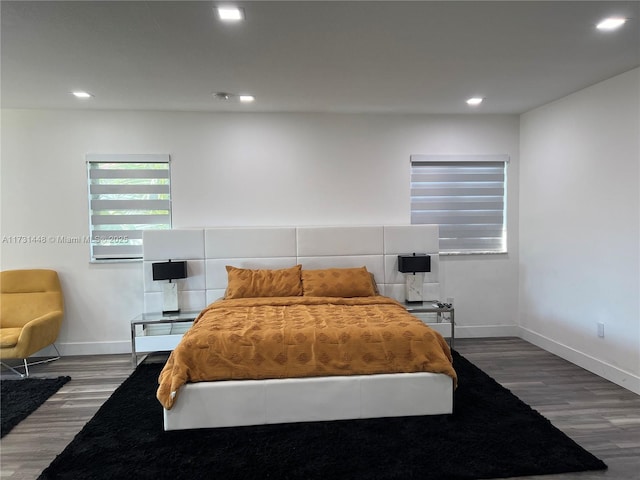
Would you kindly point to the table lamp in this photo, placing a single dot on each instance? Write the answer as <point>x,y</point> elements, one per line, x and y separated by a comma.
<point>415,264</point>
<point>169,271</point>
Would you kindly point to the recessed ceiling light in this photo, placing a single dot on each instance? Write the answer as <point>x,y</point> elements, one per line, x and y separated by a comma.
<point>246,98</point>
<point>81,94</point>
<point>230,14</point>
<point>474,101</point>
<point>611,23</point>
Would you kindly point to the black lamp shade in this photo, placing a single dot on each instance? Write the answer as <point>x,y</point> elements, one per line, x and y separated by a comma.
<point>169,270</point>
<point>414,263</point>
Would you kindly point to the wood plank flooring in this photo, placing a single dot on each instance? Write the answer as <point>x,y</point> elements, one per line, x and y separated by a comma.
<point>37,440</point>
<point>599,415</point>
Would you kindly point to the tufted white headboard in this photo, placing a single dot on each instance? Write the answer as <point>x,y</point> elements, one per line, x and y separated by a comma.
<point>208,250</point>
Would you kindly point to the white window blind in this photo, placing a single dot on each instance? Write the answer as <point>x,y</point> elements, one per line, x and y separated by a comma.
<point>127,194</point>
<point>466,196</point>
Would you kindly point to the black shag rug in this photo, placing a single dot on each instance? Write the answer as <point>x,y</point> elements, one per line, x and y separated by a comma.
<point>20,398</point>
<point>492,434</point>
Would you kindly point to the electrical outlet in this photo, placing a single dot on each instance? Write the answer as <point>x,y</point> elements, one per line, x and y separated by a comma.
<point>600,329</point>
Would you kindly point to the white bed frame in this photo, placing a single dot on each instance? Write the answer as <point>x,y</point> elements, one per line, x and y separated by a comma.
<point>254,402</point>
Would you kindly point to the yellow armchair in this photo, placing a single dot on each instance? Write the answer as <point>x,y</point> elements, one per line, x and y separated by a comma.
<point>31,311</point>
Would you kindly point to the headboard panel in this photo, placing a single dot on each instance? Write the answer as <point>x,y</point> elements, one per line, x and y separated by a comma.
<point>209,250</point>
<point>248,242</point>
<point>340,241</point>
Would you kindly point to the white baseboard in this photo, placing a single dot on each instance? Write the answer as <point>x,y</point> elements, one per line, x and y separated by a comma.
<point>486,331</point>
<point>87,348</point>
<point>124,346</point>
<point>610,372</point>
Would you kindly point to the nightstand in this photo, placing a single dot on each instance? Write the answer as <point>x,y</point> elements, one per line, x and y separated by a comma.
<point>423,311</point>
<point>152,332</point>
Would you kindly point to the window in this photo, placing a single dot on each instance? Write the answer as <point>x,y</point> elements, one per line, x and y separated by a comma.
<point>127,194</point>
<point>466,196</point>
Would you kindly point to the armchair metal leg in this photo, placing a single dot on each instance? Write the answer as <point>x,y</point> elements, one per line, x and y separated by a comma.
<point>21,375</point>
<point>26,365</point>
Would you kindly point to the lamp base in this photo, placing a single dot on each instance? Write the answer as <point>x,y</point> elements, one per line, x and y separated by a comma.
<point>413,287</point>
<point>170,298</point>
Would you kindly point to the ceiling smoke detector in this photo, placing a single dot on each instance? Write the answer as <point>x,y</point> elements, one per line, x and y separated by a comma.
<point>222,96</point>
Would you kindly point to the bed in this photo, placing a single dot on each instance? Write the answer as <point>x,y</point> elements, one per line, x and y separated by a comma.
<point>332,377</point>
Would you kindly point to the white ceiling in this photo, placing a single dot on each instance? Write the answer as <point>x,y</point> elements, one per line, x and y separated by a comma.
<point>329,56</point>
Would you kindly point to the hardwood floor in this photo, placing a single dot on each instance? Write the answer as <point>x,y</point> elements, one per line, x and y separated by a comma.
<point>599,415</point>
<point>32,444</point>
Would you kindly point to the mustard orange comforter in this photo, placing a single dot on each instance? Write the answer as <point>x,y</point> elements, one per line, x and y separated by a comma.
<point>278,337</point>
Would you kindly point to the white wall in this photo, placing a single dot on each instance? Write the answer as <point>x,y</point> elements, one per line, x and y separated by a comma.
<point>239,169</point>
<point>579,227</point>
